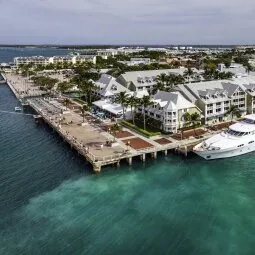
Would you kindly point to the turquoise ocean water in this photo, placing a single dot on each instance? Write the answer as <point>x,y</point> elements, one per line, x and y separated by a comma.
<point>51,203</point>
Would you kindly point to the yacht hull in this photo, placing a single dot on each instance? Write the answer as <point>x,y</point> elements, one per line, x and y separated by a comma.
<point>231,152</point>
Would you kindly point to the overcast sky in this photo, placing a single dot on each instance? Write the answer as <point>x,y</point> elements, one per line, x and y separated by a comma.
<point>127,22</point>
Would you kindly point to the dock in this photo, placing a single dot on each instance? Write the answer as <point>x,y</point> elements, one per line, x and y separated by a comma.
<point>77,136</point>
<point>91,140</point>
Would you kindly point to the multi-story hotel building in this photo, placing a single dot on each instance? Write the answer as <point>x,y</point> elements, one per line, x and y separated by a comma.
<point>169,108</point>
<point>145,80</point>
<point>40,60</point>
<point>215,97</point>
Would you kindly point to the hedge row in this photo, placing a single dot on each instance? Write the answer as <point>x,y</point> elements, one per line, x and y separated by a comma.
<point>140,130</point>
<point>80,101</point>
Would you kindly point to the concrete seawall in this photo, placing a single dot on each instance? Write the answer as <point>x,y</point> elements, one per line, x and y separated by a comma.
<point>3,80</point>
<point>10,86</point>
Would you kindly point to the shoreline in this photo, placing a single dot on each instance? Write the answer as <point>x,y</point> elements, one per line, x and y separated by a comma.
<point>78,135</point>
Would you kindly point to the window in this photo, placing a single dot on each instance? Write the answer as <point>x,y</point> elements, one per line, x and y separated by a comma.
<point>236,133</point>
<point>250,142</point>
<point>218,110</point>
<point>218,104</point>
<point>241,145</point>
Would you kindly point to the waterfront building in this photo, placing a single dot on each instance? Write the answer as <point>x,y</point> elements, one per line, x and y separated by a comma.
<point>107,108</point>
<point>136,61</point>
<point>85,58</point>
<point>215,97</point>
<point>37,60</point>
<point>145,80</point>
<point>62,59</point>
<point>107,87</point>
<point>169,108</point>
<point>248,85</point>
<point>107,53</point>
<point>250,90</point>
<point>40,60</point>
<point>128,50</point>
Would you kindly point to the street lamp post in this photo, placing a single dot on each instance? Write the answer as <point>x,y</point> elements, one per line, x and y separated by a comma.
<point>128,145</point>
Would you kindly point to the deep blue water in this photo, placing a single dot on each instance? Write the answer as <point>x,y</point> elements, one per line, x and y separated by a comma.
<point>51,203</point>
<point>8,53</point>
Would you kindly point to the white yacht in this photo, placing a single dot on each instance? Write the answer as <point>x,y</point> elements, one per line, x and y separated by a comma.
<point>238,139</point>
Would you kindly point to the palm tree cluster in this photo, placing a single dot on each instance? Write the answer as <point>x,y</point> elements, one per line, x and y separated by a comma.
<point>233,111</point>
<point>192,119</point>
<point>84,108</point>
<point>213,74</point>
<point>44,82</point>
<point>126,100</point>
<point>167,82</point>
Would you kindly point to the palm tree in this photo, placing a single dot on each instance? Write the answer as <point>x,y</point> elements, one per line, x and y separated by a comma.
<point>133,102</point>
<point>145,102</point>
<point>192,119</point>
<point>121,98</point>
<point>63,86</point>
<point>248,68</point>
<point>86,87</point>
<point>195,119</point>
<point>89,89</point>
<point>114,129</point>
<point>187,118</point>
<point>188,73</point>
<point>162,78</point>
<point>84,109</point>
<point>67,102</point>
<point>158,87</point>
<point>233,111</point>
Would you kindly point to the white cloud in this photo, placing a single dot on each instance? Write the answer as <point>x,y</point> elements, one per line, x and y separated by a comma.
<point>130,21</point>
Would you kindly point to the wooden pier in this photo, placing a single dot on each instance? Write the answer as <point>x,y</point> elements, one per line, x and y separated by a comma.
<point>99,161</point>
<point>108,156</point>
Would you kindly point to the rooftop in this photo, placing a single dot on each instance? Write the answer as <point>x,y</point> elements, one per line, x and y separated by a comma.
<point>172,100</point>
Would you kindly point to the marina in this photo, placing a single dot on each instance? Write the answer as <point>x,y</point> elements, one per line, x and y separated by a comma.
<point>92,139</point>
<point>51,203</point>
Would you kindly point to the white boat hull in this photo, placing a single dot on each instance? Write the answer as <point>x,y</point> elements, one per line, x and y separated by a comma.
<point>239,139</point>
<point>231,152</point>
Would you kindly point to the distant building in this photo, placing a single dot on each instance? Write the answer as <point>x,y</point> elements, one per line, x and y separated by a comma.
<point>107,53</point>
<point>136,61</point>
<point>40,60</point>
<point>85,58</point>
<point>37,60</point>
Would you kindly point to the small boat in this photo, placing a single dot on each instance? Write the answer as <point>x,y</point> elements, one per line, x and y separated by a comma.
<point>18,109</point>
